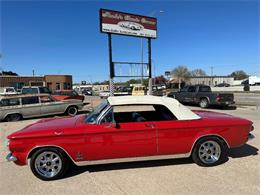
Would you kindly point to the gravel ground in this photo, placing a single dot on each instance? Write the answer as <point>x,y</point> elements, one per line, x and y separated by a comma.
<point>239,175</point>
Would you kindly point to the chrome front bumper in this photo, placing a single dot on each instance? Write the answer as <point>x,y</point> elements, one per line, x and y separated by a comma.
<point>250,136</point>
<point>11,158</point>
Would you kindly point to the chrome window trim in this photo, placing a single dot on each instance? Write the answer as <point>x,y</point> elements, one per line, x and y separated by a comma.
<point>102,114</point>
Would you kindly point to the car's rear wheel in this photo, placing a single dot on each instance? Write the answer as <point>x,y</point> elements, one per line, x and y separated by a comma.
<point>204,103</point>
<point>209,151</point>
<point>72,110</point>
<point>13,117</point>
<point>49,164</point>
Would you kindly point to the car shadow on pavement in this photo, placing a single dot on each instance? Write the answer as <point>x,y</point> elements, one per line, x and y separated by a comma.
<point>75,170</point>
<point>243,151</point>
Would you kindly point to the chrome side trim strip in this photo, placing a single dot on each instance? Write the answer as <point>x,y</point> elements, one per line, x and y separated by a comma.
<point>132,159</point>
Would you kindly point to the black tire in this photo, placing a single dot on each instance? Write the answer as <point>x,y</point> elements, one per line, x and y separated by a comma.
<point>204,103</point>
<point>197,153</point>
<point>13,117</point>
<point>72,111</point>
<point>64,164</point>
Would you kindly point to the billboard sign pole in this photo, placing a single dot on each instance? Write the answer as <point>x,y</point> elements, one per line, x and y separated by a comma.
<point>121,23</point>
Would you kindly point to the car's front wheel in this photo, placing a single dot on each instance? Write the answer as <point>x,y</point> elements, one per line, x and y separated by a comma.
<point>49,164</point>
<point>209,151</point>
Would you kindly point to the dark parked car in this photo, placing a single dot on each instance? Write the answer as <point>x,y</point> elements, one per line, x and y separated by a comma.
<point>222,85</point>
<point>87,92</point>
<point>203,96</point>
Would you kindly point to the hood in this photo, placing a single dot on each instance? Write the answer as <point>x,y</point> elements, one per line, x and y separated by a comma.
<point>46,127</point>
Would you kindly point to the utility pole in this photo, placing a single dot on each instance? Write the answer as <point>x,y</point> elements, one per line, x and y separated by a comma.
<point>33,73</point>
<point>142,61</point>
<point>211,68</point>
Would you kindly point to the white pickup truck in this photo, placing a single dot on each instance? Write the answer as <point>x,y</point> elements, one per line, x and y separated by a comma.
<point>8,91</point>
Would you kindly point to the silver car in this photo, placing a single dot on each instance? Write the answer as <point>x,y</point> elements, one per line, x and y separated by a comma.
<point>14,108</point>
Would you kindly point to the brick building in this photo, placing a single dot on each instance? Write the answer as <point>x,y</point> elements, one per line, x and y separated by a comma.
<point>53,82</point>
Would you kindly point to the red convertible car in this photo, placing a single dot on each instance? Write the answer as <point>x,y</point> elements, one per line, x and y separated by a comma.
<point>129,128</point>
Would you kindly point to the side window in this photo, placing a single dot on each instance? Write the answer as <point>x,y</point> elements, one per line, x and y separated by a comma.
<point>30,100</point>
<point>10,90</point>
<point>108,118</point>
<point>45,99</point>
<point>142,113</point>
<point>192,89</point>
<point>163,113</point>
<point>10,102</point>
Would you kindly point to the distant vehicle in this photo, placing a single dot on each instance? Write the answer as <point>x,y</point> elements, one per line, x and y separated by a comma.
<point>139,90</point>
<point>157,90</point>
<point>202,95</point>
<point>67,94</point>
<point>8,91</point>
<point>104,94</point>
<point>252,80</point>
<point>14,108</point>
<point>121,91</point>
<point>87,92</point>
<point>222,85</point>
<point>35,90</point>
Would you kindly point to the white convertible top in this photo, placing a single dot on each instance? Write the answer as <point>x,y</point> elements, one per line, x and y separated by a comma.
<point>180,111</point>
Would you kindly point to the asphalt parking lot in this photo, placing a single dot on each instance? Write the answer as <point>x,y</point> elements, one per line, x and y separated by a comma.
<point>239,175</point>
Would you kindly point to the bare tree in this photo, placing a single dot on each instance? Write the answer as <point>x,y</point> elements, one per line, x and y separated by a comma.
<point>198,72</point>
<point>239,75</point>
<point>182,73</point>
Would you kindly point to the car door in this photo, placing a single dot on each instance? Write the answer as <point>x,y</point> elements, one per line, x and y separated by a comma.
<point>174,137</point>
<point>30,106</point>
<point>50,106</point>
<point>190,94</point>
<point>109,140</point>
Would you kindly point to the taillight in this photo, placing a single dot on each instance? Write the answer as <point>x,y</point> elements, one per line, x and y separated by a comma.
<point>217,98</point>
<point>252,128</point>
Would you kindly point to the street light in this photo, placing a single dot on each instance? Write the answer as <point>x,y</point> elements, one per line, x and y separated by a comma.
<point>152,14</point>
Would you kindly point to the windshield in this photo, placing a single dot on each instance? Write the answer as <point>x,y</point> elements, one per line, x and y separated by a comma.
<point>92,117</point>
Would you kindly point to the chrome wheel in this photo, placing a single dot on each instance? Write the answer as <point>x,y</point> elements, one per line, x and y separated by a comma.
<point>204,103</point>
<point>48,164</point>
<point>209,152</point>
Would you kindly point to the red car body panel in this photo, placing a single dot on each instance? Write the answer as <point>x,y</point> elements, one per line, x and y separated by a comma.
<point>89,142</point>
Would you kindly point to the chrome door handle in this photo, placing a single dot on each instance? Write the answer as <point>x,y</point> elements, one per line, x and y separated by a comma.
<point>150,125</point>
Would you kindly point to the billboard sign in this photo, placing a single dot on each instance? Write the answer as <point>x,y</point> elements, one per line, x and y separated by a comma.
<point>127,24</point>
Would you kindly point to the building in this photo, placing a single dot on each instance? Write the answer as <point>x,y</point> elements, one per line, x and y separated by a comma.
<point>53,82</point>
<point>210,80</point>
<point>97,88</point>
<point>58,82</point>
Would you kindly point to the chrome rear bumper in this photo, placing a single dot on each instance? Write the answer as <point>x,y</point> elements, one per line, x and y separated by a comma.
<point>11,158</point>
<point>250,136</point>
